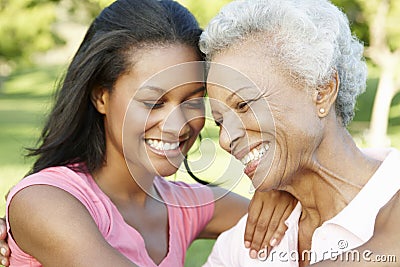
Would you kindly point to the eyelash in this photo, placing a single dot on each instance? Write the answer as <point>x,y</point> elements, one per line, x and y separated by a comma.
<point>195,104</point>
<point>153,105</point>
<point>244,105</point>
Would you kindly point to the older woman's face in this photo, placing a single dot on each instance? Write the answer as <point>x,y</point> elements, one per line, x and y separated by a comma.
<point>266,121</point>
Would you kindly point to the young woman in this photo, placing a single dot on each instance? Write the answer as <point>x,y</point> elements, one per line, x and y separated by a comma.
<point>95,195</point>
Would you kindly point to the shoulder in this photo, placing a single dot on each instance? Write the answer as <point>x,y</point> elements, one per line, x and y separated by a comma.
<point>50,224</point>
<point>35,209</point>
<point>388,217</point>
<point>74,182</point>
<point>71,183</point>
<point>60,175</point>
<point>386,232</point>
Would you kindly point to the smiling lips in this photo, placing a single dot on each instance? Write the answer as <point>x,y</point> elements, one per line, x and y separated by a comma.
<point>255,154</point>
<point>162,145</point>
<point>253,158</point>
<point>164,148</point>
<point>250,160</point>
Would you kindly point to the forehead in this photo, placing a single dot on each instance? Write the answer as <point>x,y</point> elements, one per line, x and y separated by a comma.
<point>175,76</point>
<point>168,66</point>
<point>163,67</point>
<point>250,63</point>
<point>237,68</point>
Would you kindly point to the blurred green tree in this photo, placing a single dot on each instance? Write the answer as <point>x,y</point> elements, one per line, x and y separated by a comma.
<point>25,27</point>
<point>377,22</point>
<point>204,10</point>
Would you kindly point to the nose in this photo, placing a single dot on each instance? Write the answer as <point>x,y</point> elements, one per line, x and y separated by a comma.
<point>175,123</point>
<point>231,132</point>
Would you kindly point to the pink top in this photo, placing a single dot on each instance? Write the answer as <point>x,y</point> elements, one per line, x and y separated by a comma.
<point>190,208</point>
<point>350,228</point>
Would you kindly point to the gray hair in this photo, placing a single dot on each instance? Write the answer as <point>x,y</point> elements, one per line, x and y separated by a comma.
<point>310,38</point>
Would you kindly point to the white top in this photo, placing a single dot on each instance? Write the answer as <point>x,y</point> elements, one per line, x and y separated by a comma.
<point>350,228</point>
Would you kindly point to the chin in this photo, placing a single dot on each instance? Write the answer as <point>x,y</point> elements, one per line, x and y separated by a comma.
<point>261,178</point>
<point>266,184</point>
<point>165,170</point>
<point>261,184</point>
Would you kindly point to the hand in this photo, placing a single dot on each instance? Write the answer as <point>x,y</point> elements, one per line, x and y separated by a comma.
<point>267,214</point>
<point>4,249</point>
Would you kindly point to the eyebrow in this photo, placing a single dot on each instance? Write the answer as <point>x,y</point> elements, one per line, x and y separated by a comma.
<point>153,88</point>
<point>235,93</point>
<point>200,89</point>
<point>162,91</point>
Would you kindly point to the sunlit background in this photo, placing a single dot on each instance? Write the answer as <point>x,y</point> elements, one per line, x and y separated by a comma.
<point>39,37</point>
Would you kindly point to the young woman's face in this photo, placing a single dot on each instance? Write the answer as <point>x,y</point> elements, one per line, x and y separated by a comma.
<point>156,111</point>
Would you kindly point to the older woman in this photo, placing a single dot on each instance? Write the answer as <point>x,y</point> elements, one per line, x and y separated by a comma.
<point>283,81</point>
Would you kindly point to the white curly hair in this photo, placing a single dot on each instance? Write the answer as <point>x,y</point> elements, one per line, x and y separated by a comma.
<point>311,40</point>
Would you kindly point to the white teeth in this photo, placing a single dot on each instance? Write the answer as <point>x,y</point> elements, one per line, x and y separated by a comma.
<point>160,145</point>
<point>166,146</point>
<point>175,145</point>
<point>255,154</point>
<point>251,155</point>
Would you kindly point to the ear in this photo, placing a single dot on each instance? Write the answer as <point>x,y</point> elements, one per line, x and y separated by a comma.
<point>99,97</point>
<point>325,96</point>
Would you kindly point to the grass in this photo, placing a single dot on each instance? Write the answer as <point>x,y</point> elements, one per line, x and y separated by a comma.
<point>25,99</point>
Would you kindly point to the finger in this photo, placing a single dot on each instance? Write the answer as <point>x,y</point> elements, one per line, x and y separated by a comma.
<point>4,261</point>
<point>281,229</point>
<point>254,213</point>
<point>3,229</point>
<point>263,230</point>
<point>4,253</point>
<point>278,226</point>
<point>4,249</point>
<point>275,231</point>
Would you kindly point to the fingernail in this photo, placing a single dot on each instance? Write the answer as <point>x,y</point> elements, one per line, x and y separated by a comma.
<point>3,262</point>
<point>253,254</point>
<point>247,244</point>
<point>252,189</point>
<point>3,251</point>
<point>273,242</point>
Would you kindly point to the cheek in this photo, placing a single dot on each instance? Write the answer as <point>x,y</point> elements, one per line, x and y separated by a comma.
<point>149,119</point>
<point>297,128</point>
<point>135,119</point>
<point>197,124</point>
<point>114,121</point>
<point>259,119</point>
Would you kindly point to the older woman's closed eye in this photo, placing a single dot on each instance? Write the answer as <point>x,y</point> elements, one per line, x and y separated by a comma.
<point>309,70</point>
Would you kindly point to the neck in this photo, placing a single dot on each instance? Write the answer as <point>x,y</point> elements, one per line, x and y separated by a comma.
<point>334,176</point>
<point>117,182</point>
